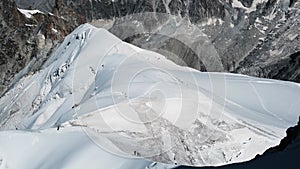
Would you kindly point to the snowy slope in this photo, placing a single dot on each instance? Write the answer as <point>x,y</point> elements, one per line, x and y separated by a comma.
<point>52,149</point>
<point>284,155</point>
<point>143,105</point>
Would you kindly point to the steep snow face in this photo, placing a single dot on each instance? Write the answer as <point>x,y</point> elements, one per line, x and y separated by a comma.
<point>133,102</point>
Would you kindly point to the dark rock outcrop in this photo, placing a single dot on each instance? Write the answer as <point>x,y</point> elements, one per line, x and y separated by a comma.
<point>277,54</point>
<point>27,42</point>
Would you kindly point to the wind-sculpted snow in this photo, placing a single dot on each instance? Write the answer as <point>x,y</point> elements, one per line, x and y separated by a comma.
<point>124,102</point>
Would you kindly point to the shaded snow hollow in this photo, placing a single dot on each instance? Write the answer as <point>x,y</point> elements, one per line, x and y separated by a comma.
<point>99,102</point>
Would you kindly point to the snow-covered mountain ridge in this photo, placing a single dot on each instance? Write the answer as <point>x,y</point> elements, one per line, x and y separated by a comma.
<point>133,102</point>
<point>252,37</point>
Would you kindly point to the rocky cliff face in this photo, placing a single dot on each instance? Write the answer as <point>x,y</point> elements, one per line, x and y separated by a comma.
<point>277,54</point>
<point>13,37</point>
<point>254,37</point>
<point>27,41</point>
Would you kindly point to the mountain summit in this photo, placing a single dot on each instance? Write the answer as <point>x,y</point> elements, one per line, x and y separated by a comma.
<point>97,93</point>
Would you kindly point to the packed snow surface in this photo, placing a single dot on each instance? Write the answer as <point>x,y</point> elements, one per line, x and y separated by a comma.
<point>100,102</point>
<point>53,149</point>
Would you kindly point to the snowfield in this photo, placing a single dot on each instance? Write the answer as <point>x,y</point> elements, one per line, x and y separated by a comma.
<point>99,102</point>
<point>52,149</point>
